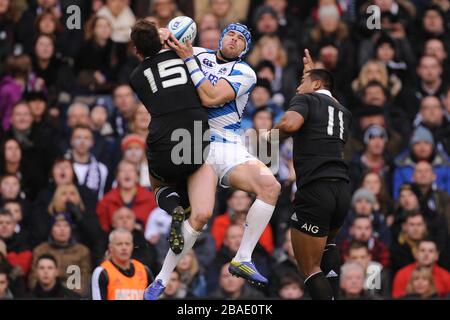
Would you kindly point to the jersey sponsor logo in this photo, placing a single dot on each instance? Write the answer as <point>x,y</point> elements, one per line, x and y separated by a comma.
<point>208,63</point>
<point>222,70</point>
<point>294,217</point>
<point>310,228</point>
<point>331,274</point>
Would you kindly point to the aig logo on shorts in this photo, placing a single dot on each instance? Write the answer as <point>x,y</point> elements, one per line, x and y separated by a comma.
<point>310,228</point>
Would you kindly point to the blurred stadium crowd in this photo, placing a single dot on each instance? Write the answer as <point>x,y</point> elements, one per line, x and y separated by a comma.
<point>73,165</point>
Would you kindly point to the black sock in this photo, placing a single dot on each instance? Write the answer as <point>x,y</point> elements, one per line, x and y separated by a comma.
<point>168,199</point>
<point>318,287</point>
<point>331,267</point>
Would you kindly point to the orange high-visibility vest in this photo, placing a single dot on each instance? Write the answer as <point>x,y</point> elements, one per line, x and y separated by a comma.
<point>121,287</point>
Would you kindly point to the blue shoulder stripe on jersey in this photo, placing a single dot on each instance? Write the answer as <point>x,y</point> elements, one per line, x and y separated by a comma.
<point>233,126</point>
<point>222,111</point>
<point>235,72</point>
<point>182,31</point>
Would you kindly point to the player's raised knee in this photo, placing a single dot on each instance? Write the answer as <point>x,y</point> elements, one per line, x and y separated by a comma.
<point>268,189</point>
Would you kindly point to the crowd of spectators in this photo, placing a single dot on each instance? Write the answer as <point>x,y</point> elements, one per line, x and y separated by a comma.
<point>73,162</point>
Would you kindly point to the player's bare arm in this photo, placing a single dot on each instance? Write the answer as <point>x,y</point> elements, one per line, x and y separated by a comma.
<point>210,95</point>
<point>290,122</point>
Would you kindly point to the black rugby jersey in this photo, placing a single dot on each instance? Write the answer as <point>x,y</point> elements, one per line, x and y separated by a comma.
<point>164,86</point>
<point>319,144</point>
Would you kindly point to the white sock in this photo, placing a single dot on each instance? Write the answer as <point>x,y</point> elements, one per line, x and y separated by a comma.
<point>172,259</point>
<point>257,219</point>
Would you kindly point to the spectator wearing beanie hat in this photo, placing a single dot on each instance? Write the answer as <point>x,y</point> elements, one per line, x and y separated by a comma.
<point>66,250</point>
<point>260,98</point>
<point>363,203</point>
<point>330,29</point>
<point>133,148</point>
<point>265,21</point>
<point>422,148</point>
<point>374,158</point>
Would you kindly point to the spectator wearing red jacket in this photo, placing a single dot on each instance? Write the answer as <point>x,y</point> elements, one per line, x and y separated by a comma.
<point>19,254</point>
<point>426,256</point>
<point>362,231</point>
<point>128,194</point>
<point>239,203</point>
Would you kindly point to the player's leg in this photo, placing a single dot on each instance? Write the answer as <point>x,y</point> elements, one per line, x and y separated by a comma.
<point>201,189</point>
<point>308,253</point>
<point>254,177</point>
<point>314,207</point>
<point>168,199</point>
<point>166,195</point>
<point>331,263</point>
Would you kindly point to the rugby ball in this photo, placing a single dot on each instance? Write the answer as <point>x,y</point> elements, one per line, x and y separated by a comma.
<point>183,28</point>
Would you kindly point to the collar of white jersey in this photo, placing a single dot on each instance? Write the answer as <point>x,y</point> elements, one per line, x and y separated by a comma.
<point>326,92</point>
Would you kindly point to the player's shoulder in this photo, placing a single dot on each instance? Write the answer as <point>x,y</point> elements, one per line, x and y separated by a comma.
<point>200,50</point>
<point>300,98</point>
<point>133,77</point>
<point>244,69</point>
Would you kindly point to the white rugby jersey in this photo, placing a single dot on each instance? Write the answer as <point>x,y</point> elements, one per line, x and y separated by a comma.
<point>225,119</point>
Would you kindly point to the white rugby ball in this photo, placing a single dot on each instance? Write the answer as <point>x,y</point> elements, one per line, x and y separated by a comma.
<point>183,28</point>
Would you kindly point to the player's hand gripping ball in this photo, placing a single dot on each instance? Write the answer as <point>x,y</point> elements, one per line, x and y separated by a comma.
<point>183,28</point>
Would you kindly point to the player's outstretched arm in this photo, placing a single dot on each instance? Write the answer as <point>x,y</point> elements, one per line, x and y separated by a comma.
<point>210,95</point>
<point>291,122</point>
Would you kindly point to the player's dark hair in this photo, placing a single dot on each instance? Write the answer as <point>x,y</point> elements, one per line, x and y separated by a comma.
<point>324,76</point>
<point>47,256</point>
<point>145,38</point>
